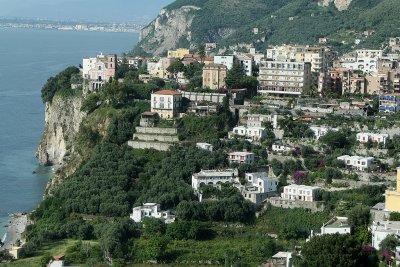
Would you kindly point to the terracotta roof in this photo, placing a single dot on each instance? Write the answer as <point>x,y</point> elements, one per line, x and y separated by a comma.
<point>167,92</point>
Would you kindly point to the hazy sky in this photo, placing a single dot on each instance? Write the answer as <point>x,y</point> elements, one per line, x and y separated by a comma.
<point>98,10</point>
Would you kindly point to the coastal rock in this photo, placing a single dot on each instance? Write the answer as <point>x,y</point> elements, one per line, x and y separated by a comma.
<point>62,119</point>
<point>340,4</point>
<point>168,30</point>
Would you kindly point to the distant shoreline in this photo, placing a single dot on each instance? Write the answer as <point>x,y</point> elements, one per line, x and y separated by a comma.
<point>69,30</point>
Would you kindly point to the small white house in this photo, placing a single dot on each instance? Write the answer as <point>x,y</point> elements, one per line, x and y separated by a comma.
<point>280,148</point>
<point>253,133</point>
<point>335,225</point>
<point>151,210</point>
<point>205,146</point>
<point>261,180</point>
<point>380,230</point>
<point>241,157</point>
<point>320,131</point>
<point>357,162</point>
<point>213,177</point>
<point>300,192</point>
<point>376,138</point>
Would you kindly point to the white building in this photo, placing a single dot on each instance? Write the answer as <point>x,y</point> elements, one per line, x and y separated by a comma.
<point>225,60</point>
<point>380,230</point>
<point>167,103</point>
<point>241,157</point>
<point>253,133</point>
<point>100,68</point>
<point>258,187</point>
<point>300,192</point>
<point>205,146</point>
<point>281,148</point>
<point>376,138</point>
<point>284,78</point>
<point>320,131</point>
<point>369,53</point>
<point>151,210</point>
<point>365,64</point>
<point>335,225</point>
<point>258,120</point>
<point>357,162</point>
<point>213,177</point>
<point>247,63</point>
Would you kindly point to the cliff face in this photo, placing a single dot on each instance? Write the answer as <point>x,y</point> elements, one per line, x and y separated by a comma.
<point>170,28</point>
<point>63,117</point>
<point>340,4</point>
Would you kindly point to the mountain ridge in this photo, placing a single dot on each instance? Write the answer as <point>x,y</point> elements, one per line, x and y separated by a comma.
<point>231,22</point>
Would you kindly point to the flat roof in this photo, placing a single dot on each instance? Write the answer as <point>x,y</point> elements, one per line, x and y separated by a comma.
<point>296,186</point>
<point>241,153</point>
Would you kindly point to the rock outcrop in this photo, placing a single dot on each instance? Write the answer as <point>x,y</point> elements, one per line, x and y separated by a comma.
<point>63,117</point>
<point>340,4</point>
<point>170,28</point>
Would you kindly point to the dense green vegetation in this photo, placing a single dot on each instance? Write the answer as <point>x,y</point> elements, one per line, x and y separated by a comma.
<point>231,22</point>
<point>60,84</point>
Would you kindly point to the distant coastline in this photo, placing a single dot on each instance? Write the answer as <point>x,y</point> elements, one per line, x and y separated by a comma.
<point>69,25</point>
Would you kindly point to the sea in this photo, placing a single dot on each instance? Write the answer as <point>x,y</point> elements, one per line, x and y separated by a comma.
<point>28,57</point>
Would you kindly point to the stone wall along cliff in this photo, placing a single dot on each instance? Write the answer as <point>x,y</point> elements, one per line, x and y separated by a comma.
<point>62,119</point>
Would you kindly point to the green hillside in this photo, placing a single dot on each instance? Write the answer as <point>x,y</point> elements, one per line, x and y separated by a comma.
<point>231,21</point>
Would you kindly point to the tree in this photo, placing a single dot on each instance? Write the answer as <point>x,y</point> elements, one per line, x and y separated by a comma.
<point>390,243</point>
<point>335,140</point>
<point>176,67</point>
<point>359,216</point>
<point>202,52</point>
<point>235,76</point>
<point>331,250</point>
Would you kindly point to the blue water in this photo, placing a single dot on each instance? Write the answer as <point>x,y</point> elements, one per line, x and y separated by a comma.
<point>27,59</point>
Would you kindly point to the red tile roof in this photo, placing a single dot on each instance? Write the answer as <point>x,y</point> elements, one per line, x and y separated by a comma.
<point>167,92</point>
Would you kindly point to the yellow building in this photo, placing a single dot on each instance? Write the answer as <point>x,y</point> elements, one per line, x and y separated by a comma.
<point>393,197</point>
<point>179,53</point>
<point>214,76</point>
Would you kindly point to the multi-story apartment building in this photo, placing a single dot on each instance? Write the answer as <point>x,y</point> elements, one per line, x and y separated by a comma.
<point>167,103</point>
<point>227,60</point>
<point>376,138</point>
<point>246,61</point>
<point>300,192</point>
<point>357,162</point>
<point>258,120</point>
<point>284,78</point>
<point>214,76</point>
<point>389,103</point>
<point>241,157</point>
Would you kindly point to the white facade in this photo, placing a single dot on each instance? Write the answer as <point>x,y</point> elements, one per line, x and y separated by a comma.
<point>369,53</point>
<point>380,230</point>
<point>284,78</point>
<point>335,225</point>
<point>205,146</point>
<point>241,157</point>
<point>300,192</point>
<point>99,68</point>
<point>246,62</point>
<point>225,60</point>
<point>281,148</point>
<point>257,120</point>
<point>320,131</point>
<point>253,133</point>
<point>376,138</point>
<point>357,162</point>
<point>263,183</point>
<point>151,210</point>
<point>213,177</point>
<point>167,103</point>
<point>365,64</point>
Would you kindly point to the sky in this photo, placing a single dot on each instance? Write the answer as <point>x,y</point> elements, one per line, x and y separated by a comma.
<point>142,11</point>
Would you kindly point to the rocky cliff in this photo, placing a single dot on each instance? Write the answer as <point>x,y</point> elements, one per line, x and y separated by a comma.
<point>168,30</point>
<point>63,117</point>
<point>340,4</point>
